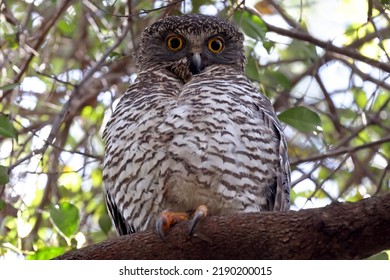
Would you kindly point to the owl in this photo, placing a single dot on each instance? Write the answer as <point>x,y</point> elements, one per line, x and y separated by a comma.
<point>192,136</point>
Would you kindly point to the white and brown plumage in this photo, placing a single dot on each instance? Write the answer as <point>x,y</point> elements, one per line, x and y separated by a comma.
<point>193,130</point>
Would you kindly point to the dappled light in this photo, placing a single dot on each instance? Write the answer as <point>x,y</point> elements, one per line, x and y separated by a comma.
<point>65,64</point>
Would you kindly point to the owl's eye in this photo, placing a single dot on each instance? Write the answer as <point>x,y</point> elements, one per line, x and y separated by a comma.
<point>174,43</point>
<point>215,45</point>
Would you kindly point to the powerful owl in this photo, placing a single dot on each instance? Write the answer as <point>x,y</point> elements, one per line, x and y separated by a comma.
<point>192,135</point>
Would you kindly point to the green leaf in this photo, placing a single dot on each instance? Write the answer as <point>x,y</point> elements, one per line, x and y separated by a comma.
<point>57,65</point>
<point>46,253</point>
<point>2,204</point>
<point>66,217</point>
<point>360,97</point>
<point>385,2</point>
<point>8,87</point>
<point>268,46</point>
<point>320,194</point>
<point>252,25</point>
<point>379,256</point>
<point>6,128</point>
<point>300,50</point>
<point>381,101</point>
<point>323,173</point>
<point>67,27</point>
<point>304,194</point>
<point>4,179</point>
<point>355,197</point>
<point>277,79</point>
<point>301,118</point>
<point>252,69</point>
<point>115,55</point>
<point>97,177</point>
<point>105,223</point>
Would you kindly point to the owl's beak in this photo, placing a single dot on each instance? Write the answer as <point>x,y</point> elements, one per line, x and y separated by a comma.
<point>196,63</point>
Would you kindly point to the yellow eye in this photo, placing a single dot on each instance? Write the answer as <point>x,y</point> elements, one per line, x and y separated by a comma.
<point>174,43</point>
<point>215,45</point>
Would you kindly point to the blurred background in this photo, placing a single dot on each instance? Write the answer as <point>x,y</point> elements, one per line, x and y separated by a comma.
<point>64,65</point>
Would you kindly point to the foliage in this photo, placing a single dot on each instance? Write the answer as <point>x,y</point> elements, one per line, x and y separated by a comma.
<point>64,63</point>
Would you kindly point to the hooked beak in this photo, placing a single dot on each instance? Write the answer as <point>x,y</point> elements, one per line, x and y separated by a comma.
<point>196,63</point>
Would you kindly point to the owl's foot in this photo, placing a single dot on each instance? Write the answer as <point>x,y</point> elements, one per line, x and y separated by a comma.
<point>167,219</point>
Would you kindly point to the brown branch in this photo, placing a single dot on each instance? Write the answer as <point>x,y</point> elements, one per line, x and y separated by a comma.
<point>69,107</point>
<point>342,151</point>
<point>142,11</point>
<point>381,33</point>
<point>38,43</point>
<point>327,46</point>
<point>333,113</point>
<point>9,17</point>
<point>283,14</point>
<point>378,5</point>
<point>338,231</point>
<point>382,179</point>
<point>327,57</point>
<point>364,76</point>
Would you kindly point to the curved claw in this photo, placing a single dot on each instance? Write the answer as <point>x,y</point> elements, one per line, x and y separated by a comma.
<point>199,214</point>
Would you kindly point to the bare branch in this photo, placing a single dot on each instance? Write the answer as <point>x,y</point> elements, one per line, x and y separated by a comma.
<point>327,46</point>
<point>331,232</point>
<point>67,107</point>
<point>45,30</point>
<point>342,151</point>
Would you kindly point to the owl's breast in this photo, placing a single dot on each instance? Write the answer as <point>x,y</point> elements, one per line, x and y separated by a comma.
<point>178,147</point>
<point>221,153</point>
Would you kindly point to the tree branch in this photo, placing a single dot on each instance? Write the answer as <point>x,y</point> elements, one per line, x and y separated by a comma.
<point>331,232</point>
<point>341,151</point>
<point>327,46</point>
<point>46,27</point>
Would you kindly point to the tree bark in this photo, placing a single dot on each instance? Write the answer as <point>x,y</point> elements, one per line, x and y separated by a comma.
<point>338,231</point>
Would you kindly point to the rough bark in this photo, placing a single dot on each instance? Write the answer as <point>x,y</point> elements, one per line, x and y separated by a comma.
<point>338,231</point>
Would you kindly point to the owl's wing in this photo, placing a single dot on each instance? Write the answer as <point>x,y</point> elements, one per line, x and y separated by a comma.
<point>120,223</point>
<point>283,181</point>
<point>282,196</point>
<point>109,174</point>
<point>116,217</point>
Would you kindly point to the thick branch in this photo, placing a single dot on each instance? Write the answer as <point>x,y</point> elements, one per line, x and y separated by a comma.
<point>339,231</point>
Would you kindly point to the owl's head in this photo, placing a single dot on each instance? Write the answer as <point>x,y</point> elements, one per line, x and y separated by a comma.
<point>197,40</point>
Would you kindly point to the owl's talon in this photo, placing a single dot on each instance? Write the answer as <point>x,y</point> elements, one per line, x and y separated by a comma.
<point>167,219</point>
<point>199,214</point>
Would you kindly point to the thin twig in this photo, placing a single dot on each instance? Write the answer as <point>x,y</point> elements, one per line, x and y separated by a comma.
<point>39,42</point>
<point>342,151</point>
<point>67,106</point>
<point>327,46</point>
<point>142,12</point>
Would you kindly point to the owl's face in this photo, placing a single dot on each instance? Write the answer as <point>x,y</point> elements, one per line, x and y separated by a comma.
<point>197,41</point>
